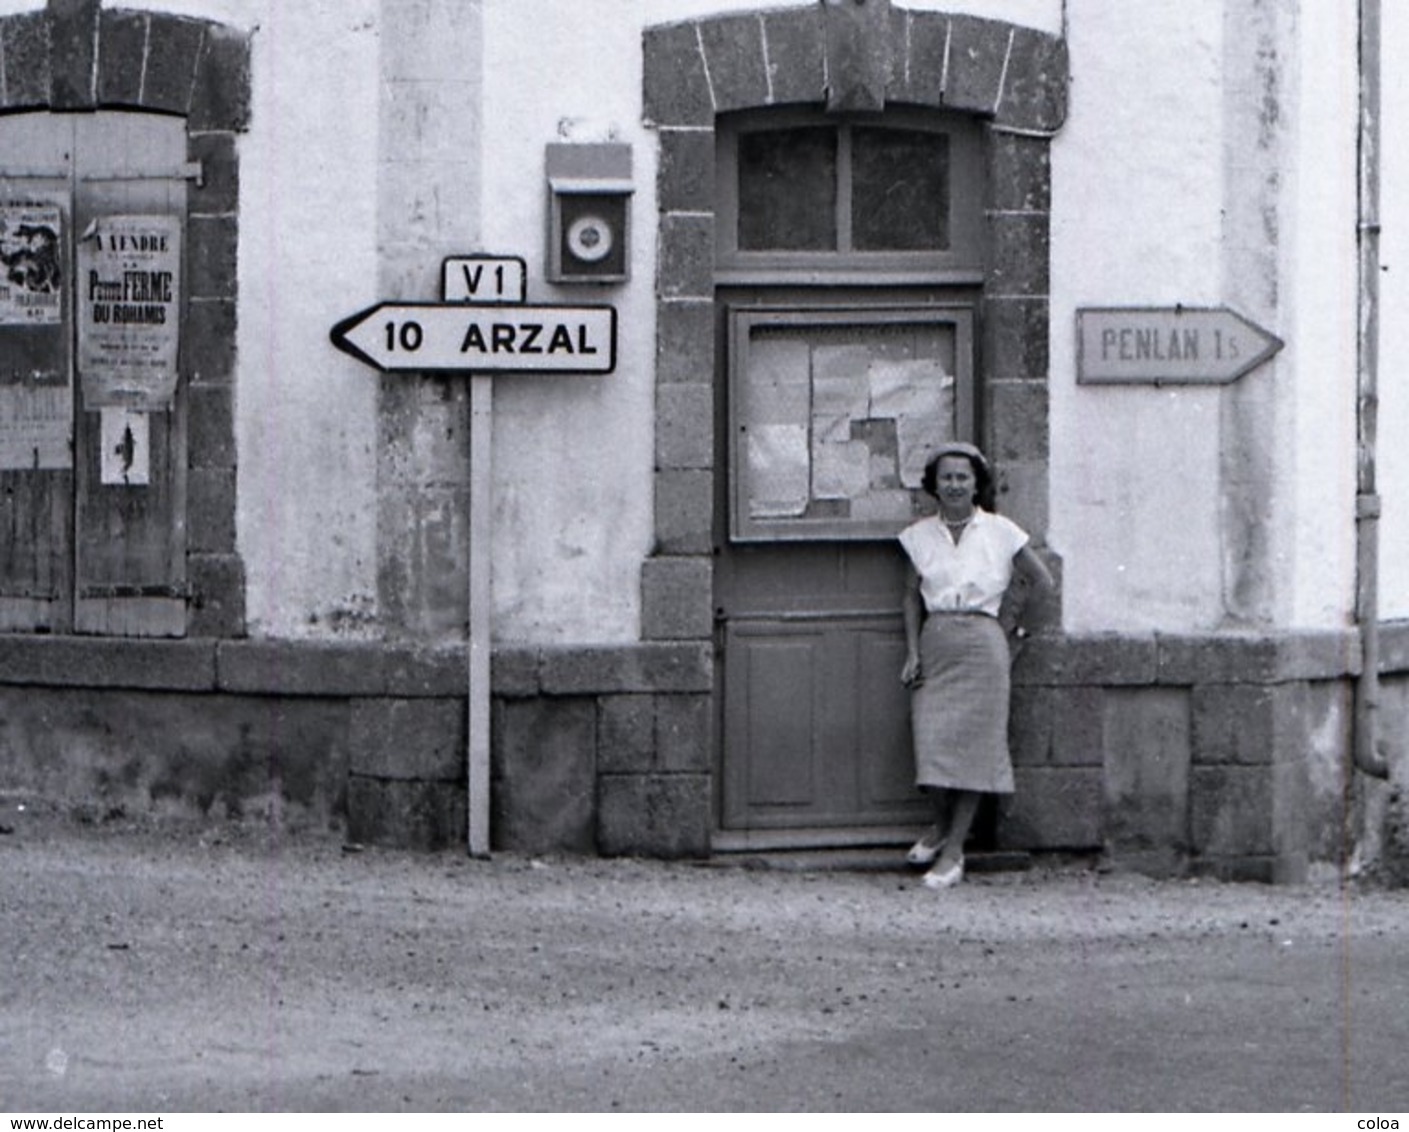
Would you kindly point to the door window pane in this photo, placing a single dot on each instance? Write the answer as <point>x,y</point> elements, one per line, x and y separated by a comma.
<point>900,190</point>
<point>787,190</point>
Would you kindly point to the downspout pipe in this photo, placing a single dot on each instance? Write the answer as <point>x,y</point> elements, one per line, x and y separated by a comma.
<point>1367,750</point>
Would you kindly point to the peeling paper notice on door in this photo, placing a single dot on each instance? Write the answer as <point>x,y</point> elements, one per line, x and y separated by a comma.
<point>36,425</point>
<point>919,396</point>
<point>780,476</point>
<point>126,447</point>
<point>129,301</point>
<point>841,470</point>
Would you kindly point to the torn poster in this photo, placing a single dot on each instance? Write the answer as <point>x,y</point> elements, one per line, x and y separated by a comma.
<point>778,391</point>
<point>841,471</point>
<point>31,263</point>
<point>779,472</point>
<point>36,426</point>
<point>919,396</point>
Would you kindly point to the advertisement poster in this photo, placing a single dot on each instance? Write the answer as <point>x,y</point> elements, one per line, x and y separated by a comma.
<point>129,302</point>
<point>31,263</point>
<point>36,404</point>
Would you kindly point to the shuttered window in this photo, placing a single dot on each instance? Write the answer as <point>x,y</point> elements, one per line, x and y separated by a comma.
<point>93,408</point>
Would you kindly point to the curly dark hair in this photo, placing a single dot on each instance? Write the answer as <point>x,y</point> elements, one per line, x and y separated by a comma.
<point>985,494</point>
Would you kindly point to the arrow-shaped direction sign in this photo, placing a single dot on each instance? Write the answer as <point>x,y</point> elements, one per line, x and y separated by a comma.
<point>398,337</point>
<point>1168,345</point>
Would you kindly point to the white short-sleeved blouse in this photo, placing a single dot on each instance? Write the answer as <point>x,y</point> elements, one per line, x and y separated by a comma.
<point>970,576</point>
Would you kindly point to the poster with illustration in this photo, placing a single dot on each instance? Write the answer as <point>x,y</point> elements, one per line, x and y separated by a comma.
<point>129,302</point>
<point>31,263</point>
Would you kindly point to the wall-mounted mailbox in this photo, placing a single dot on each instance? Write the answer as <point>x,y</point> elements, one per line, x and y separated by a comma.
<point>589,213</point>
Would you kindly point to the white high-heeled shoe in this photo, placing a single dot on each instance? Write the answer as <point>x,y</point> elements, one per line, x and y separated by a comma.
<point>945,878</point>
<point>924,851</point>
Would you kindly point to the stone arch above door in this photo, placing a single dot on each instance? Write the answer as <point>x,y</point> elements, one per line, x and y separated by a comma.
<point>1015,78</point>
<point>73,56</point>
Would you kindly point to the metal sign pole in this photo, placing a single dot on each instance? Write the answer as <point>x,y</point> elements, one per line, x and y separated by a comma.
<point>480,610</point>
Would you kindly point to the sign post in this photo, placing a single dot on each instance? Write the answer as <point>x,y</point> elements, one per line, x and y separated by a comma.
<point>479,562</point>
<point>482,328</point>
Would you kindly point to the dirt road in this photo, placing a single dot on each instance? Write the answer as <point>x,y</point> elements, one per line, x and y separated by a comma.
<point>176,968</point>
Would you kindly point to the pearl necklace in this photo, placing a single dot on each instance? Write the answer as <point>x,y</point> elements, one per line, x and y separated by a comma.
<point>956,522</point>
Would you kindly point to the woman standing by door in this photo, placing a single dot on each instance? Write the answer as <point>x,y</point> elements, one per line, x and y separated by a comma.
<point>962,561</point>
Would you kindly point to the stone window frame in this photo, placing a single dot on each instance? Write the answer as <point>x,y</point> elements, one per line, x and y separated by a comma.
<point>72,56</point>
<point>1013,78</point>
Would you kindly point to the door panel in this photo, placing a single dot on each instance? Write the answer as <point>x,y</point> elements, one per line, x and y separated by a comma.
<point>779,669</point>
<point>818,728</point>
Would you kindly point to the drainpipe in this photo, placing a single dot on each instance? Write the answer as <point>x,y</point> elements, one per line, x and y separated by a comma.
<point>1366,747</point>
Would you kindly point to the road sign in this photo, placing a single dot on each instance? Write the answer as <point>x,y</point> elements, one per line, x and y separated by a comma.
<point>484,279</point>
<point>400,337</point>
<point>495,280</point>
<point>1168,345</point>
<point>482,328</point>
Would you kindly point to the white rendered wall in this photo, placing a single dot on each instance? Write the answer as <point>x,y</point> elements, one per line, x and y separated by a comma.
<point>1319,364</point>
<point>1137,194</point>
<point>572,455</point>
<point>1208,160</point>
<point>305,414</point>
<point>1147,172</point>
<point>1394,327</point>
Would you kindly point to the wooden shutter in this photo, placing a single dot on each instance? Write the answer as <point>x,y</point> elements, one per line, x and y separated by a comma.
<point>36,385</point>
<point>130,558</point>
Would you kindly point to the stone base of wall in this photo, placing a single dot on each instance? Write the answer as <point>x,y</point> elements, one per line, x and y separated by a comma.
<point>594,750</point>
<point>1174,756</point>
<point>1222,756</point>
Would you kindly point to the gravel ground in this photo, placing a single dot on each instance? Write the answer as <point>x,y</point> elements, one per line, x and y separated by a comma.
<point>163,966</point>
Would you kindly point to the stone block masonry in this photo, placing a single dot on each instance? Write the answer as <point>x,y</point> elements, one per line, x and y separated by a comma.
<point>1119,745</point>
<point>370,736</point>
<point>1222,755</point>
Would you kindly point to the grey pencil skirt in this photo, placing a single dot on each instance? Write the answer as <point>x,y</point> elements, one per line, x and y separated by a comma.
<point>959,715</point>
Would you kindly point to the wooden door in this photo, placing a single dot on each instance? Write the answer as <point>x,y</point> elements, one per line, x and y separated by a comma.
<point>830,410</point>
